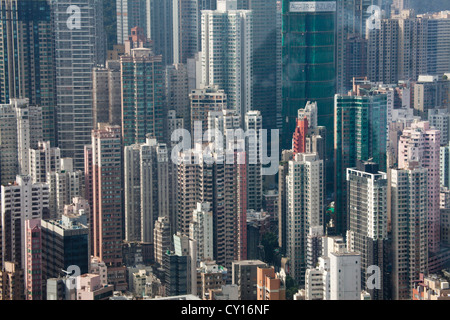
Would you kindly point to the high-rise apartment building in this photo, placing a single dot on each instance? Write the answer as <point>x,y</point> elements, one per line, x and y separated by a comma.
<point>409,216</point>
<point>174,122</point>
<point>63,187</point>
<point>228,212</point>
<point>43,160</point>
<point>420,143</point>
<point>395,131</point>
<point>202,231</point>
<point>33,260</point>
<point>283,172</point>
<point>430,93</point>
<point>9,165</point>
<point>314,246</point>
<point>382,45</point>
<point>100,97</point>
<point>367,222</point>
<point>264,58</point>
<point>219,183</point>
<point>132,193</point>
<point>444,163</point>
<point>162,238</point>
<point>305,208</point>
<point>21,130</point>
<point>146,188</point>
<point>408,45</point>
<point>355,61</point>
<point>177,91</point>
<point>203,5</point>
<point>440,120</point>
<point>279,20</point>
<point>254,150</point>
<point>235,169</point>
<point>107,201</point>
<point>88,190</point>
<point>270,203</point>
<point>186,25</point>
<point>438,45</point>
<point>308,136</point>
<point>142,96</point>
<point>29,131</point>
<point>227,53</point>
<point>205,100</point>
<point>299,138</point>
<point>106,94</point>
<point>189,192</point>
<point>74,68</point>
<point>445,216</point>
<point>27,63</point>
<point>195,184</point>
<point>160,28</point>
<point>21,201</point>
<point>351,24</point>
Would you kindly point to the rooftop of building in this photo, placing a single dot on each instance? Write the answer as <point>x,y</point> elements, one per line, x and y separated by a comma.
<point>249,262</point>
<point>181,297</point>
<point>74,225</point>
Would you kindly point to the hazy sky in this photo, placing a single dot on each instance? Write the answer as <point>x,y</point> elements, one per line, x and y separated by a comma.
<point>430,5</point>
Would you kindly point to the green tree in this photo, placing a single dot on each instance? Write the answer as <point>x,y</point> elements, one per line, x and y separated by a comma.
<point>270,244</point>
<point>291,287</point>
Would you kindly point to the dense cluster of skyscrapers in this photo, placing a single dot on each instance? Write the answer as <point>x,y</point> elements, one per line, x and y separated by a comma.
<point>115,183</point>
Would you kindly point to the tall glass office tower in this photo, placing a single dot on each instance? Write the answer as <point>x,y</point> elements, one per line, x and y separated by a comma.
<point>309,66</point>
<point>360,134</point>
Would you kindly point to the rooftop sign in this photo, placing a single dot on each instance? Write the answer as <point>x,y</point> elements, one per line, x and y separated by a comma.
<point>310,6</point>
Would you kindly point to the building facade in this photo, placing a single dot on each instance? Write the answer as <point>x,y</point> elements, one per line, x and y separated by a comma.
<point>107,202</point>
<point>227,54</point>
<point>74,67</point>
<point>142,96</point>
